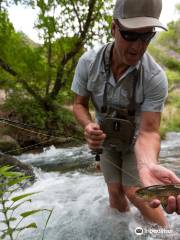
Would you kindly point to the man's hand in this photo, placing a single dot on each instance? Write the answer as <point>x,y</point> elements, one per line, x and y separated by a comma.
<point>157,174</point>
<point>94,135</point>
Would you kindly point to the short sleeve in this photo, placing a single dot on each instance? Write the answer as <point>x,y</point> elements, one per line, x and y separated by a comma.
<point>79,84</point>
<point>155,92</point>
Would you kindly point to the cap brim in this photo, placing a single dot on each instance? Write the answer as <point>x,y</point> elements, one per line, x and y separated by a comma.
<point>141,22</point>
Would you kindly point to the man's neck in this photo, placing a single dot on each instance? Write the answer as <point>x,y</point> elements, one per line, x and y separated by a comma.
<point>118,68</point>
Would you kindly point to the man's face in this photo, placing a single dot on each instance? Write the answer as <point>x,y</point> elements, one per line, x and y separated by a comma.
<point>129,45</point>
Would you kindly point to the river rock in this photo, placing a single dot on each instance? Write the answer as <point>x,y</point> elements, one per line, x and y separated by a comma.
<point>18,166</point>
<point>9,144</point>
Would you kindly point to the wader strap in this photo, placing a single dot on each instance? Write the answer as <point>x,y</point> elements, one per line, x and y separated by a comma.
<point>132,104</point>
<point>107,63</point>
<point>136,73</point>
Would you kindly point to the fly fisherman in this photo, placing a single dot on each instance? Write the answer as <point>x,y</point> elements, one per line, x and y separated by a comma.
<point>128,90</point>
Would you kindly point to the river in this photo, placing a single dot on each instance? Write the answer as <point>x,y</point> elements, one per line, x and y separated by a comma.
<point>68,182</point>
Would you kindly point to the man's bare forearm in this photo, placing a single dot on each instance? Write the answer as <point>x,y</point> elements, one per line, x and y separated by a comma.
<point>82,114</point>
<point>147,149</point>
<point>92,132</point>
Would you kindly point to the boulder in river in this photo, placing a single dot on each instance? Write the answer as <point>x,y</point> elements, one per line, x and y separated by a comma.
<point>18,166</point>
<point>9,144</point>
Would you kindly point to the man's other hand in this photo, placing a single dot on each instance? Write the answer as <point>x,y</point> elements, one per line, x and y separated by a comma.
<point>94,135</point>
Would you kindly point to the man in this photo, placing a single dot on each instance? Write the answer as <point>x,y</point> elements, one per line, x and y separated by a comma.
<point>128,89</point>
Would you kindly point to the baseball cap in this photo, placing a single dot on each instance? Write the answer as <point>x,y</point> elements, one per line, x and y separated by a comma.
<point>133,14</point>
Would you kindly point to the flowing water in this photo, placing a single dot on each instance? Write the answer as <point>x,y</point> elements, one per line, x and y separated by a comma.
<point>68,183</point>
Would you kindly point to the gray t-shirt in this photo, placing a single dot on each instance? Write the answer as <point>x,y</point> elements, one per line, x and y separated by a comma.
<point>90,78</point>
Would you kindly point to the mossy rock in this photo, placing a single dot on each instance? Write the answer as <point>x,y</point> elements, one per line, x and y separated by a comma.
<point>17,165</point>
<point>9,145</point>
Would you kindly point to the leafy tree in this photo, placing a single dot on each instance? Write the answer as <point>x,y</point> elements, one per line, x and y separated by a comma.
<point>170,38</point>
<point>43,73</point>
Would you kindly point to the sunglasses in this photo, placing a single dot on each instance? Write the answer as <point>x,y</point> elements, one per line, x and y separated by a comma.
<point>134,36</point>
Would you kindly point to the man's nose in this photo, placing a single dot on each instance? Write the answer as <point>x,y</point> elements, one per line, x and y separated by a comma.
<point>138,44</point>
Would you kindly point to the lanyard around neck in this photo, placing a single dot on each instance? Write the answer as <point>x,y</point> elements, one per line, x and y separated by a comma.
<point>136,76</point>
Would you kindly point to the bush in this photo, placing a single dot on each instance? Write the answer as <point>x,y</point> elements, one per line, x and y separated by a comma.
<point>173,77</point>
<point>170,120</point>
<point>163,58</point>
<point>26,110</point>
<point>11,182</point>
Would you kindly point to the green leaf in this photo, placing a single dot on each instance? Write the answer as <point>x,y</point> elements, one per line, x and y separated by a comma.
<point>15,199</point>
<point>17,180</point>
<point>12,174</point>
<point>31,225</point>
<point>50,213</point>
<point>5,169</point>
<point>1,193</point>
<point>17,205</point>
<point>29,213</point>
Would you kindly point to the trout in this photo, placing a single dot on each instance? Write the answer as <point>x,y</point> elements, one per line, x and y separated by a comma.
<point>160,192</point>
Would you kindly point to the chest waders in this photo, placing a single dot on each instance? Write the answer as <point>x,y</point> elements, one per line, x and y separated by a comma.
<point>119,122</point>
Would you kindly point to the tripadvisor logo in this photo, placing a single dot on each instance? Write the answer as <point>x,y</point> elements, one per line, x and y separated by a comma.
<point>139,231</point>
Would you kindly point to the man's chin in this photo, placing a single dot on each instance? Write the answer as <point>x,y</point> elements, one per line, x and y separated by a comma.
<point>132,60</point>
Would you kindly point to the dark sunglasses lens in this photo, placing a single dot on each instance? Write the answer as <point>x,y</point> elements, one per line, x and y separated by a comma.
<point>134,36</point>
<point>146,37</point>
<point>129,36</point>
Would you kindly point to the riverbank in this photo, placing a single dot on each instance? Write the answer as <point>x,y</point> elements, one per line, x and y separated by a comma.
<point>17,137</point>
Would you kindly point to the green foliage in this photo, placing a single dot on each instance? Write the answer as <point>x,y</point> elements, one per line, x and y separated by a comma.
<point>23,57</point>
<point>174,100</point>
<point>170,120</point>
<point>163,58</point>
<point>173,77</point>
<point>29,62</point>
<point>6,29</point>
<point>26,109</point>
<point>12,224</point>
<point>70,18</point>
<point>170,38</point>
<point>177,6</point>
<point>42,74</point>
<point>166,50</point>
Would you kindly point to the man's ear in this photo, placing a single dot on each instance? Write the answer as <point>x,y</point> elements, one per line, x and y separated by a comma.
<point>113,27</point>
